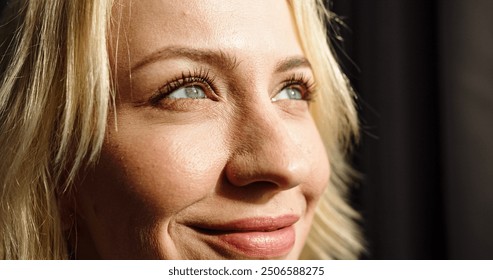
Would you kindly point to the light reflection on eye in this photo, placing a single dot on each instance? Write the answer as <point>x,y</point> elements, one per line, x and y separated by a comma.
<point>193,92</point>
<point>288,93</point>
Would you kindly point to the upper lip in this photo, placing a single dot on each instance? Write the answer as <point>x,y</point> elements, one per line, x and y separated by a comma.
<point>249,224</point>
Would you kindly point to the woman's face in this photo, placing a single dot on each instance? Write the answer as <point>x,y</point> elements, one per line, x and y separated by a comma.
<point>214,154</point>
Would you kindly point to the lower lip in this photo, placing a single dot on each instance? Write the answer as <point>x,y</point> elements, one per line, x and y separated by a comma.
<point>260,244</point>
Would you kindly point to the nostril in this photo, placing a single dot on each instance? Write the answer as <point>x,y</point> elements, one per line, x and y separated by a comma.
<point>273,173</point>
<point>267,151</point>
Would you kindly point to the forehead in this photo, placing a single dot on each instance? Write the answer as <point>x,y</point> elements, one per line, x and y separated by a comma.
<point>248,29</point>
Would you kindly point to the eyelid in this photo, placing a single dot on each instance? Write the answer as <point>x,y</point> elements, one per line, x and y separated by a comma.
<point>299,79</point>
<point>198,77</point>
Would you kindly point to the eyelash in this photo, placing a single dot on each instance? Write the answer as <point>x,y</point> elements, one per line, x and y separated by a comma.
<point>198,76</point>
<point>308,85</point>
<point>205,79</point>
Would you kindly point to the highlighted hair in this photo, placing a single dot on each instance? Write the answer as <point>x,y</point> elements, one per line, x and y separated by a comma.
<point>54,96</point>
<point>334,233</point>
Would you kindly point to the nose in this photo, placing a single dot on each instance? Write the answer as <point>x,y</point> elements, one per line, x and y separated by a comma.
<point>268,150</point>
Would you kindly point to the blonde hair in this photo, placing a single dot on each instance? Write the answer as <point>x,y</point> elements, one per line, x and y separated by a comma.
<point>55,93</point>
<point>334,233</point>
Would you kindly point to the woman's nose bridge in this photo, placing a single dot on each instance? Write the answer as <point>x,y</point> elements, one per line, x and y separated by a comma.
<point>265,131</point>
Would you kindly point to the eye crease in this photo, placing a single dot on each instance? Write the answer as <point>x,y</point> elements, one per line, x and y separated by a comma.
<point>196,84</point>
<point>298,87</point>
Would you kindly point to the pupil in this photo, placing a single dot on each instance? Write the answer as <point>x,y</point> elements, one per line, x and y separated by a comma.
<point>192,92</point>
<point>293,93</point>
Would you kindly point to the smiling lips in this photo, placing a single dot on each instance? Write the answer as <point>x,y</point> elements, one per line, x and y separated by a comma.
<point>260,237</point>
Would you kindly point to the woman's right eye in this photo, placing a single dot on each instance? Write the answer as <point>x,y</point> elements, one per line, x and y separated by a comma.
<point>193,91</point>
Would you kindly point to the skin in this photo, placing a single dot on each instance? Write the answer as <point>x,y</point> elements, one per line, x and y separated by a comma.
<point>176,162</point>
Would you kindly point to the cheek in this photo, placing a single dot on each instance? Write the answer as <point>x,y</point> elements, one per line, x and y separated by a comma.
<point>160,171</point>
<point>321,168</point>
<point>315,155</point>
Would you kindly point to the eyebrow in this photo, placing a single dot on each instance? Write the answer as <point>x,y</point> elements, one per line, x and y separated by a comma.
<point>292,63</point>
<point>217,58</point>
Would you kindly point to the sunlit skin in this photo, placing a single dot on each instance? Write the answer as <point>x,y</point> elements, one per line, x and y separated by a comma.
<point>213,130</point>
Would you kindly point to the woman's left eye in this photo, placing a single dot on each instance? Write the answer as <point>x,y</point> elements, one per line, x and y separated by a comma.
<point>289,92</point>
<point>194,92</point>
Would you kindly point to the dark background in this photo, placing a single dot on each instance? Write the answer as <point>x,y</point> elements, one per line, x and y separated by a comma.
<point>423,70</point>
